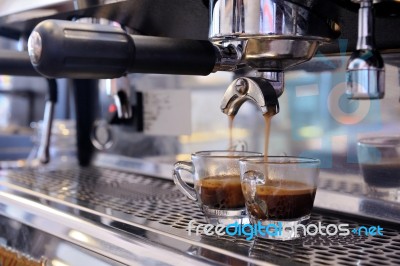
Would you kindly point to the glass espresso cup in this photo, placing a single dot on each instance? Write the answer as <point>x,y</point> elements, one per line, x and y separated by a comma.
<point>279,194</point>
<point>217,186</point>
<point>379,159</point>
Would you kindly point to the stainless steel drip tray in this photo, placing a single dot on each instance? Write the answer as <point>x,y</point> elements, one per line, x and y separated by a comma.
<point>135,218</point>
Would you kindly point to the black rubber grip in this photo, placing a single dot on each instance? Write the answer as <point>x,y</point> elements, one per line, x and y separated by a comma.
<point>80,50</point>
<point>92,51</point>
<point>172,56</point>
<point>16,63</point>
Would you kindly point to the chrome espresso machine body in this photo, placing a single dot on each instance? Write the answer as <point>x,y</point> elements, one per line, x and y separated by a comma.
<point>133,69</point>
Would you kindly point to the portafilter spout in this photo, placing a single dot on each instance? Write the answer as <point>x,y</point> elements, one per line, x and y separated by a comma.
<point>268,36</point>
<point>256,89</point>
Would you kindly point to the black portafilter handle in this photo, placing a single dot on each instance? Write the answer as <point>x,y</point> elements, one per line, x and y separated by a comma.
<point>15,63</point>
<point>65,49</point>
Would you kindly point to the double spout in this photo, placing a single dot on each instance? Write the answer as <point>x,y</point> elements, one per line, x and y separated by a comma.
<point>259,90</point>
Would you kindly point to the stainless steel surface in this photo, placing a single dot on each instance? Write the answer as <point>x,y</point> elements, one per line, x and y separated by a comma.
<point>227,58</point>
<point>29,241</point>
<point>122,247</point>
<point>275,53</point>
<point>345,193</point>
<point>126,238</point>
<point>257,90</point>
<point>365,69</point>
<point>144,166</point>
<point>127,216</point>
<point>250,18</point>
<point>273,35</point>
<point>366,36</point>
<point>9,7</point>
<point>275,78</point>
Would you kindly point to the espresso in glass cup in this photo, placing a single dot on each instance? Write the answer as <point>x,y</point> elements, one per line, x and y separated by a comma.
<point>279,194</point>
<point>217,185</point>
<point>379,159</point>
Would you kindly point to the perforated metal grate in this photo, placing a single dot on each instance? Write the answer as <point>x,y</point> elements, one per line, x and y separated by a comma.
<point>159,201</point>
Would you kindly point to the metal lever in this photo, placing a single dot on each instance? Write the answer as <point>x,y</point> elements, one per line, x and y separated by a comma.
<point>44,149</point>
<point>119,90</point>
<point>257,90</point>
<point>365,69</point>
<point>124,109</point>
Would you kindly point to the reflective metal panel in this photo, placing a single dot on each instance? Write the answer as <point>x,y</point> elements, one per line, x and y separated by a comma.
<point>124,216</point>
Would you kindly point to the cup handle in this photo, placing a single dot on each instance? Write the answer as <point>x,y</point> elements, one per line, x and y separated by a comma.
<point>182,186</point>
<point>252,178</point>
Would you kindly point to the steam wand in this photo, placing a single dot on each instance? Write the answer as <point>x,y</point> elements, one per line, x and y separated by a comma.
<point>365,69</point>
<point>43,153</point>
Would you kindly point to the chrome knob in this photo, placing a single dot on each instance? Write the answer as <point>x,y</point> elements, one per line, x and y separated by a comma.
<point>35,47</point>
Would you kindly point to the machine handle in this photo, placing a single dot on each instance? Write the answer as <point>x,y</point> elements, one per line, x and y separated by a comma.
<point>16,63</point>
<point>76,50</point>
<point>69,49</point>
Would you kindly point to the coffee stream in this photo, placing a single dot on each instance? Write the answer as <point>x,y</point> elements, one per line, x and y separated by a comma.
<point>282,199</point>
<point>267,131</point>
<point>231,118</point>
<point>267,119</point>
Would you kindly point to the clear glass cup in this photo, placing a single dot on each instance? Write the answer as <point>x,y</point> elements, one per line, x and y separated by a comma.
<point>379,160</point>
<point>279,193</point>
<point>217,186</point>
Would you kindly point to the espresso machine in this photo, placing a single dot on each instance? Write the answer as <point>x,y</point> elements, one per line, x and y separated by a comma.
<point>119,209</point>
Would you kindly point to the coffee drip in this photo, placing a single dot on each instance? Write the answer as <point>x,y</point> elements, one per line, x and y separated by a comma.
<point>258,90</point>
<point>267,130</point>
<point>267,118</point>
<point>230,129</point>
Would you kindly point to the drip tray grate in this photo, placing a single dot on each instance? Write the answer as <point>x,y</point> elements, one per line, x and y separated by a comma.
<point>159,204</point>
